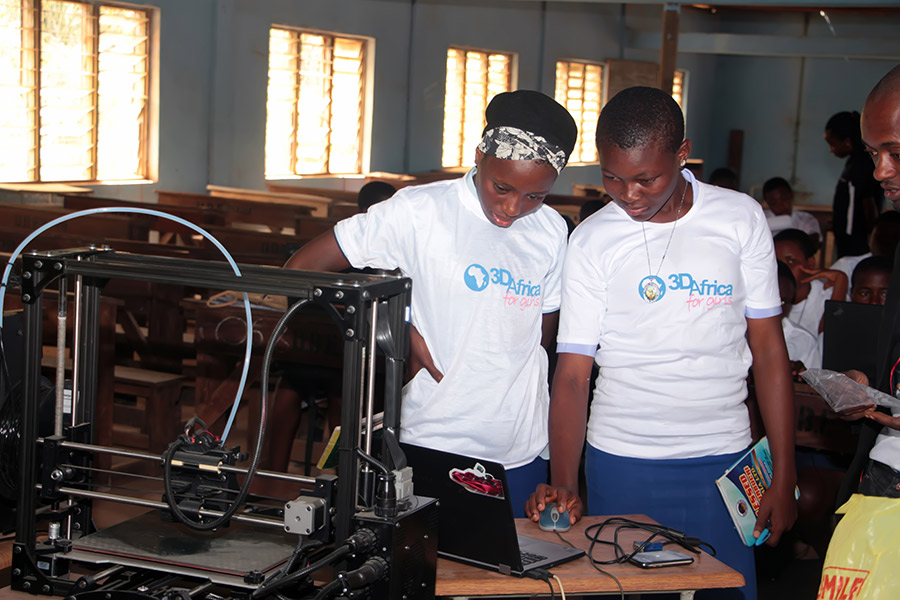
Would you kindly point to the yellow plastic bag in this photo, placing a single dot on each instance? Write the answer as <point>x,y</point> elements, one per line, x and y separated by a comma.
<point>861,562</point>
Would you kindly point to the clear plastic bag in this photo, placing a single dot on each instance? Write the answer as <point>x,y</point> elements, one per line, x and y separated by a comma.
<point>843,394</point>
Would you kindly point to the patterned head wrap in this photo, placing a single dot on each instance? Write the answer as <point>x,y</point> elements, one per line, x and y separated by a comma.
<point>528,125</point>
<point>514,144</point>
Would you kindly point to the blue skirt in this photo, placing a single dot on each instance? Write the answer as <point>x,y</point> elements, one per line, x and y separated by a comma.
<point>678,493</point>
<point>522,482</point>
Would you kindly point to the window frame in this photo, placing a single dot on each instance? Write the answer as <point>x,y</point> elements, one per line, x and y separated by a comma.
<point>365,106</point>
<point>582,133</point>
<point>465,153</point>
<point>31,51</point>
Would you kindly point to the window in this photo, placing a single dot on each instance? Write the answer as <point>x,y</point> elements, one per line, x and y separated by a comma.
<point>315,109</point>
<point>679,89</point>
<point>73,91</point>
<point>579,87</point>
<point>473,78</point>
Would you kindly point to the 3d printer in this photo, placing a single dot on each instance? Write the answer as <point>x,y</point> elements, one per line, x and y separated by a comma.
<point>380,539</point>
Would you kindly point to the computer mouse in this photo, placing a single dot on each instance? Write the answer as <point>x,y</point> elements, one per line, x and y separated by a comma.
<point>553,520</point>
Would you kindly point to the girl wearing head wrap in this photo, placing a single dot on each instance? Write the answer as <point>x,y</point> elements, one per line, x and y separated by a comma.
<point>485,256</point>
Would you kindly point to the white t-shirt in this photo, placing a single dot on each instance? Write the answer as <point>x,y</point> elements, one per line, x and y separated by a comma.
<point>808,313</point>
<point>801,345</point>
<point>478,297</point>
<point>798,219</point>
<point>672,380</point>
<point>887,446</point>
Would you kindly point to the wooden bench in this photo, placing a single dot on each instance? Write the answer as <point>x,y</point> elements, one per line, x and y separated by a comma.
<point>275,214</point>
<point>156,411</point>
<point>150,405</point>
<point>166,230</point>
<point>91,229</point>
<point>316,205</point>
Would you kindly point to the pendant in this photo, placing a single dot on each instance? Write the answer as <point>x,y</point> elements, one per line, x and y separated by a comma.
<point>652,288</point>
<point>651,291</point>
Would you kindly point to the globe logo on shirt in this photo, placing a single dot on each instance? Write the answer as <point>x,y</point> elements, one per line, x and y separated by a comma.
<point>476,277</point>
<point>651,288</point>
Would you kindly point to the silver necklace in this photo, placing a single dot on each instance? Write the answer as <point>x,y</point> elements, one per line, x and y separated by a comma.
<point>651,286</point>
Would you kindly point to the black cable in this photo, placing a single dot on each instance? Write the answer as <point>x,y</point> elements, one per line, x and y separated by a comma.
<point>668,534</point>
<point>611,576</point>
<point>361,542</point>
<point>268,588</point>
<point>542,575</point>
<point>330,590</point>
<point>257,453</point>
<point>372,461</point>
<point>593,564</point>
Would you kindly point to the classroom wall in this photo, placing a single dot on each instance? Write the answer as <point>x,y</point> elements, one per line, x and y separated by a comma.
<point>213,74</point>
<point>783,102</point>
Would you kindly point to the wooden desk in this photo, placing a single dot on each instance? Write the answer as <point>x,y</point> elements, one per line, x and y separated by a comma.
<point>579,577</point>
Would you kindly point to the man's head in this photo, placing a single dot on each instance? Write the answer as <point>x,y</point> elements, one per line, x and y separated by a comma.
<point>795,249</point>
<point>885,234</point>
<point>778,195</point>
<point>640,140</point>
<point>525,144</point>
<point>842,133</point>
<point>881,133</point>
<point>372,193</point>
<point>870,281</point>
<point>787,287</point>
<point>724,177</point>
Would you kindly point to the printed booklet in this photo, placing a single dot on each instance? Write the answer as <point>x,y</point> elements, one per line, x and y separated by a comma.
<point>742,487</point>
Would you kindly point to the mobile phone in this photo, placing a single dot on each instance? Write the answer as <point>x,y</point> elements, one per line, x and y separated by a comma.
<point>660,558</point>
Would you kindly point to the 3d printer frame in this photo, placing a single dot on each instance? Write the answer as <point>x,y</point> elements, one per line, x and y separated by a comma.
<point>368,309</point>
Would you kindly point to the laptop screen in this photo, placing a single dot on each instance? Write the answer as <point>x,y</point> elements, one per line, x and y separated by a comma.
<point>475,516</point>
<point>850,336</point>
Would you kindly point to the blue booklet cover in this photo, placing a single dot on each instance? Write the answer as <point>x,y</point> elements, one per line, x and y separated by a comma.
<point>743,485</point>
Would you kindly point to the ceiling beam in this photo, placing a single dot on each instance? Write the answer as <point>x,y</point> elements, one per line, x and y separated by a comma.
<point>757,4</point>
<point>772,45</point>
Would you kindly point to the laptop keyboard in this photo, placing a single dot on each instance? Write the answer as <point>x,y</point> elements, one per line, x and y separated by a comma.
<point>529,558</point>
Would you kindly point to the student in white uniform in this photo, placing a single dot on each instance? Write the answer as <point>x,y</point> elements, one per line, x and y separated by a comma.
<point>672,290</point>
<point>802,346</point>
<point>781,213</point>
<point>814,286</point>
<point>485,256</point>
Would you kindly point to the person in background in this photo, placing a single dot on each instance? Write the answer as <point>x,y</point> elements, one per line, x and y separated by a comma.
<point>857,197</point>
<point>795,249</point>
<point>591,206</point>
<point>485,257</point>
<point>672,290</point>
<point>802,346</point>
<point>724,177</point>
<point>781,214</point>
<point>882,242</point>
<point>870,281</point>
<point>372,193</point>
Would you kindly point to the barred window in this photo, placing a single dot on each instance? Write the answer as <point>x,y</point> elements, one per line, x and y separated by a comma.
<point>679,89</point>
<point>315,108</point>
<point>74,86</point>
<point>579,87</point>
<point>474,77</point>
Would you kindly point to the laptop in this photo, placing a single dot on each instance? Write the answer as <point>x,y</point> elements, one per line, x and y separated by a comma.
<point>475,514</point>
<point>851,336</point>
